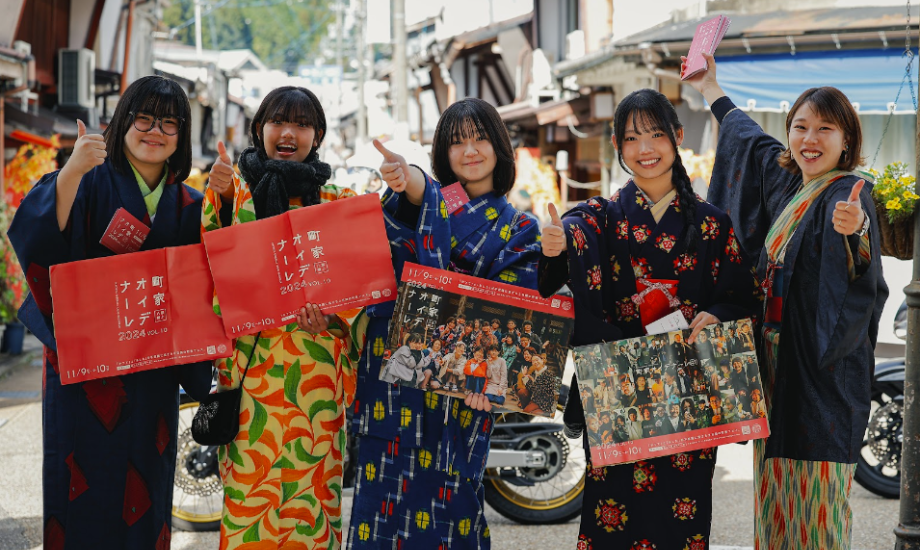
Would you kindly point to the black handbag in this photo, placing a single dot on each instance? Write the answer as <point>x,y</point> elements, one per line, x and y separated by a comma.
<point>218,418</point>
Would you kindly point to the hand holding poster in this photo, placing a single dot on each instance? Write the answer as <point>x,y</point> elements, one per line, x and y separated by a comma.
<point>135,312</point>
<point>657,395</point>
<point>455,334</point>
<point>335,255</point>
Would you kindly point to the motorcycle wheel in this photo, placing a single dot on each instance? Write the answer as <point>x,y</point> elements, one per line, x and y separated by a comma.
<point>878,467</point>
<point>558,487</point>
<point>198,493</point>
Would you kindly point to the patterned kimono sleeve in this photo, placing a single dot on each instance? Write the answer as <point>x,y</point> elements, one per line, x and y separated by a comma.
<point>428,241</point>
<point>747,181</point>
<point>516,264</point>
<point>736,289</point>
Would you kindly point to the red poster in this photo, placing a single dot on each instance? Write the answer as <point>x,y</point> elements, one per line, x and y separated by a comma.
<point>335,255</point>
<point>135,312</point>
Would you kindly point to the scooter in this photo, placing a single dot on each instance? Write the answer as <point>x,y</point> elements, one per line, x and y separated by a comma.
<point>533,475</point>
<point>878,467</point>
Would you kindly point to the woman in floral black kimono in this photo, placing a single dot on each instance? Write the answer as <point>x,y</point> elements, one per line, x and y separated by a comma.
<point>653,228</point>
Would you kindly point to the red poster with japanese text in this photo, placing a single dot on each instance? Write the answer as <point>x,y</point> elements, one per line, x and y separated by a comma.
<point>135,312</point>
<point>335,255</point>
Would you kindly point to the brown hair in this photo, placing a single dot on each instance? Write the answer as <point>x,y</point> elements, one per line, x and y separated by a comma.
<point>833,106</point>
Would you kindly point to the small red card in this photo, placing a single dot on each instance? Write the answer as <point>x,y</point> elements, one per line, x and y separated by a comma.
<point>454,197</point>
<point>125,233</point>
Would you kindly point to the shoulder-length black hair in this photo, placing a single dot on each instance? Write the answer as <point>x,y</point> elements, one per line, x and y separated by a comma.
<point>473,117</point>
<point>160,97</point>
<point>650,110</point>
<point>290,104</point>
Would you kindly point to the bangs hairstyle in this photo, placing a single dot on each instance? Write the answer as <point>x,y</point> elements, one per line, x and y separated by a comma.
<point>472,117</point>
<point>289,104</point>
<point>650,111</point>
<point>160,97</point>
<point>833,106</point>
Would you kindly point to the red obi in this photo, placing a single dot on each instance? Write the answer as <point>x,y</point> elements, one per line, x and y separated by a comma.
<point>655,298</point>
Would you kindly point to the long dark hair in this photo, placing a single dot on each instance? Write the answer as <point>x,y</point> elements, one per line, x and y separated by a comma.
<point>290,104</point>
<point>160,97</point>
<point>648,110</point>
<point>471,117</point>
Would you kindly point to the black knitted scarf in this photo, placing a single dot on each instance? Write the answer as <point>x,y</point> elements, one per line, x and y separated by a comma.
<point>274,182</point>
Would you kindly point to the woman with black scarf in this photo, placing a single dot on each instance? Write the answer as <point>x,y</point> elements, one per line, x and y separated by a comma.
<point>292,417</point>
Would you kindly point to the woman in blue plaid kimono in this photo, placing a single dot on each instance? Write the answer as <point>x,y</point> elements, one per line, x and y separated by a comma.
<point>422,455</point>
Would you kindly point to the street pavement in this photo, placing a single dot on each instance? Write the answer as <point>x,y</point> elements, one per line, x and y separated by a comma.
<point>20,486</point>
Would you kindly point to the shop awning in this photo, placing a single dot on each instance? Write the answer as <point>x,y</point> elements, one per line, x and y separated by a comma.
<point>870,78</point>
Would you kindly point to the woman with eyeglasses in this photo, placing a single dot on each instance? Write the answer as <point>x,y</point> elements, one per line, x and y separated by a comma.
<point>110,443</point>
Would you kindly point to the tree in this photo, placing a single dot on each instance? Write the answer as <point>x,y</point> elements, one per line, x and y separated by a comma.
<point>283,33</point>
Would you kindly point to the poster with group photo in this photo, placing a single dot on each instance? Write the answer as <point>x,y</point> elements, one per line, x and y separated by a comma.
<point>335,255</point>
<point>135,312</point>
<point>658,395</point>
<point>455,334</point>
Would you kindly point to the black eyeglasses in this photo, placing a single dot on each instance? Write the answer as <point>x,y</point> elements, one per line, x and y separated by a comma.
<point>169,125</point>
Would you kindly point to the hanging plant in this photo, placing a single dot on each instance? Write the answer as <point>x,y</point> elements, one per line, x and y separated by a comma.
<point>895,201</point>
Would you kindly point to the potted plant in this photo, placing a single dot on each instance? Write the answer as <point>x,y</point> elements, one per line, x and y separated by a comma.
<point>895,201</point>
<point>12,286</point>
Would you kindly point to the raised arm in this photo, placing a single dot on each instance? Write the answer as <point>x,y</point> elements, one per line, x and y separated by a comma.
<point>747,180</point>
<point>88,152</point>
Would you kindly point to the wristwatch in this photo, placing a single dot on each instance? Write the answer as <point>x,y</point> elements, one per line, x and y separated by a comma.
<point>865,226</point>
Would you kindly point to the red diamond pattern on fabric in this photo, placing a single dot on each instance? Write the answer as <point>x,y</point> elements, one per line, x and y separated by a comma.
<point>137,497</point>
<point>78,484</point>
<point>162,434</point>
<point>164,539</point>
<point>106,397</point>
<point>52,358</point>
<point>54,535</point>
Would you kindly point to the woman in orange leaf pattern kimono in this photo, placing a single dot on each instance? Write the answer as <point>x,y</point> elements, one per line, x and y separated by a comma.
<point>283,473</point>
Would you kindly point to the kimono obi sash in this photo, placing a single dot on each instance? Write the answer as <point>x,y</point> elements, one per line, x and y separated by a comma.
<point>655,298</point>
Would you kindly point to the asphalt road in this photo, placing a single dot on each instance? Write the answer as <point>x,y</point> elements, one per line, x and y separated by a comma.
<point>20,491</point>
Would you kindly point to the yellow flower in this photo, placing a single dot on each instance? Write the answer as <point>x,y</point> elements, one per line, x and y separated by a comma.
<point>893,204</point>
<point>910,196</point>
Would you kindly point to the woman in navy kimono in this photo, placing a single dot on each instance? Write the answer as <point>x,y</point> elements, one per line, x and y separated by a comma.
<point>653,231</point>
<point>799,210</point>
<point>110,443</point>
<point>422,456</point>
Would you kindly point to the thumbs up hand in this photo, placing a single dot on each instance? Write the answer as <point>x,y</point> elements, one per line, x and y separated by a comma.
<point>848,216</point>
<point>88,152</point>
<point>220,179</point>
<point>395,169</point>
<point>553,236</point>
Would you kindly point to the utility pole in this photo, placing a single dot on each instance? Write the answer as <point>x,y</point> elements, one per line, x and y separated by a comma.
<point>401,86</point>
<point>908,531</point>
<point>361,49</point>
<point>198,28</point>
<point>339,56</point>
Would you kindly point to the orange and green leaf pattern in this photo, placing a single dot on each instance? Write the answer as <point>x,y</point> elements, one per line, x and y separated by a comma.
<point>283,473</point>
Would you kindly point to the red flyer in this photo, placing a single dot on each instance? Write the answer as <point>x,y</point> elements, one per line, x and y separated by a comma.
<point>125,233</point>
<point>135,312</point>
<point>335,255</point>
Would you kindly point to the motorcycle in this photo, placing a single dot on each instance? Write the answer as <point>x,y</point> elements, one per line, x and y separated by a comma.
<point>878,467</point>
<point>533,475</point>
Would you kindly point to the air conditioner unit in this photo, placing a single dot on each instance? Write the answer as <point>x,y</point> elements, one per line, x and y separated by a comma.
<point>76,69</point>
